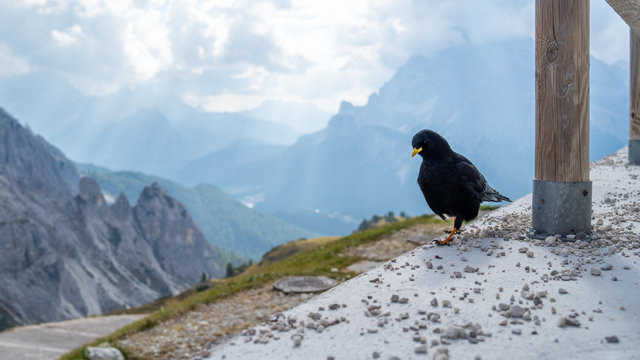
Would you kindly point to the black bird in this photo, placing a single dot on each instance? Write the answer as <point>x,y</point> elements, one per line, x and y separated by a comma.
<point>450,183</point>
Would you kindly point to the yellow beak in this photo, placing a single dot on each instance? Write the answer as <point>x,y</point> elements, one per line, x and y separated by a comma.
<point>416,151</point>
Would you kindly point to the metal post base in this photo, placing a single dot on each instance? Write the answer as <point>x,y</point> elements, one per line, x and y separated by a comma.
<point>634,151</point>
<point>561,207</point>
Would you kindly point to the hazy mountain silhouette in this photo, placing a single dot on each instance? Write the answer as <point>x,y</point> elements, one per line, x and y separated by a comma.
<point>481,98</point>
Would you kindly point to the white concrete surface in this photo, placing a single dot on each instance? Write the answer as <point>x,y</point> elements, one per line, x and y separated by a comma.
<point>602,306</point>
<point>52,340</point>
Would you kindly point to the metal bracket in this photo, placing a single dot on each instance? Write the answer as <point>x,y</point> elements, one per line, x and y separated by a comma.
<point>634,151</point>
<point>561,207</point>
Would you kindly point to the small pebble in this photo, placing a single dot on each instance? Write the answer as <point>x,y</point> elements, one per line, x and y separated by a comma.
<point>562,291</point>
<point>434,302</point>
<point>564,321</point>
<point>612,339</point>
<point>537,301</point>
<point>421,349</point>
<point>515,311</point>
<point>606,267</point>
<point>595,272</point>
<point>516,331</point>
<point>470,269</point>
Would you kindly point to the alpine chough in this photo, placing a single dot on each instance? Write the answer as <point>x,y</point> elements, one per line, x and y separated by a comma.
<point>450,183</point>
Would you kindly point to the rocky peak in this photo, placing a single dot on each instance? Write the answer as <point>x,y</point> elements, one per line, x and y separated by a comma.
<point>172,233</point>
<point>90,192</point>
<point>155,196</point>
<point>121,208</point>
<point>31,162</point>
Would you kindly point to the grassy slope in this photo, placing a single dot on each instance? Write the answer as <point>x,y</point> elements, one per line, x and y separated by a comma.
<point>318,260</point>
<point>225,222</point>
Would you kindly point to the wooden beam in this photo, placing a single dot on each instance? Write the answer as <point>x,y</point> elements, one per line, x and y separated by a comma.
<point>562,90</point>
<point>634,113</point>
<point>629,11</point>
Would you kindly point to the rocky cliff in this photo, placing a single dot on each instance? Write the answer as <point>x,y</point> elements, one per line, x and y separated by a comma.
<point>64,252</point>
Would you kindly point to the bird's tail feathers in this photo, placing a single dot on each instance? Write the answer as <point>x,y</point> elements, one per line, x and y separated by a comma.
<point>491,194</point>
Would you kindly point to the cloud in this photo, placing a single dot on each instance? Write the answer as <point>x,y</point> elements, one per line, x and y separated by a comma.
<point>12,64</point>
<point>217,53</point>
<point>609,34</point>
<point>69,37</point>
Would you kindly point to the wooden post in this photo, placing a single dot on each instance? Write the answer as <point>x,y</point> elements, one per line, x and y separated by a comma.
<point>562,190</point>
<point>634,113</point>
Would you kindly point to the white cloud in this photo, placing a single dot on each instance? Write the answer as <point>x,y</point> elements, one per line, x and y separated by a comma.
<point>146,44</point>
<point>12,64</point>
<point>609,34</point>
<point>69,37</point>
<point>230,55</point>
<point>226,102</point>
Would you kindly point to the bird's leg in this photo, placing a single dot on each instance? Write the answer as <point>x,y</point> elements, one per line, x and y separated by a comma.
<point>448,239</point>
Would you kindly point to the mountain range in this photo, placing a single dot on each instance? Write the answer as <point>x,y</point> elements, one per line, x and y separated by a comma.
<point>65,252</point>
<point>481,98</point>
<point>141,129</point>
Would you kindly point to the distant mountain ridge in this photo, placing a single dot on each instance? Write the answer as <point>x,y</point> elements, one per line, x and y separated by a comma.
<point>138,129</point>
<point>481,98</point>
<point>65,253</point>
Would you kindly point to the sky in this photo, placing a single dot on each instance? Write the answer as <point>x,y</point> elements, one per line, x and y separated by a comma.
<point>231,55</point>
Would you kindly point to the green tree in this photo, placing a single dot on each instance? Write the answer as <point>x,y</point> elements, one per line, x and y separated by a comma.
<point>229,270</point>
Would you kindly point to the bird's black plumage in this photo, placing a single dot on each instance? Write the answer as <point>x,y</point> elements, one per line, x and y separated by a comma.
<point>450,183</point>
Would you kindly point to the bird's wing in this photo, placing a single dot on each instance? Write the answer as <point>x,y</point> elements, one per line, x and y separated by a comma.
<point>470,178</point>
<point>475,182</point>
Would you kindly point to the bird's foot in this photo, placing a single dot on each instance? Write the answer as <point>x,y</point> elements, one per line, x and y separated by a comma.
<point>448,239</point>
<point>441,243</point>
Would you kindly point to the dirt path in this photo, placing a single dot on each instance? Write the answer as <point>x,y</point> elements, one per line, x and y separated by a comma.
<point>51,340</point>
